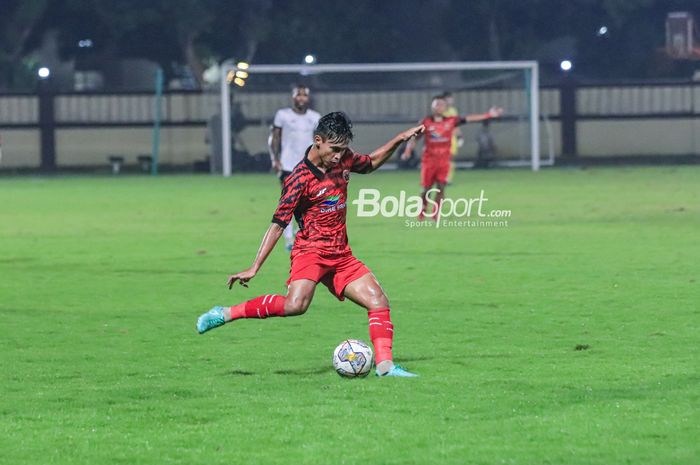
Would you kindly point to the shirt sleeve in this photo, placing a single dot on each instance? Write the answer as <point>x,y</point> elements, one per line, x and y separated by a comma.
<point>292,190</point>
<point>279,119</point>
<point>361,163</point>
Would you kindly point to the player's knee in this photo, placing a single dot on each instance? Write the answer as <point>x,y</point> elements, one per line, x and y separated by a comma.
<point>296,306</point>
<point>380,301</point>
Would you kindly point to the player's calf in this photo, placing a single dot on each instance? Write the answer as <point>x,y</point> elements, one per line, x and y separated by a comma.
<point>295,303</point>
<point>381,332</point>
<point>261,307</point>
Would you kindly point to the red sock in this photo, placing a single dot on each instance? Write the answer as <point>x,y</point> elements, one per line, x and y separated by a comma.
<point>260,307</point>
<point>381,332</point>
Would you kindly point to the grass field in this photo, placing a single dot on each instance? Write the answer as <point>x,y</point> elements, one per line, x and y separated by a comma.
<point>101,281</point>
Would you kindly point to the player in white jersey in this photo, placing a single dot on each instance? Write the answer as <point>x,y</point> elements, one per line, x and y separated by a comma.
<point>292,133</point>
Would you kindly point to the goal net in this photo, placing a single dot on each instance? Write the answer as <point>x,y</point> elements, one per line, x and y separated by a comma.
<point>382,99</point>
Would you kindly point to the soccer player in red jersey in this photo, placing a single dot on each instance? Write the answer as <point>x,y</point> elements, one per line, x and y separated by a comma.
<point>316,195</point>
<point>435,162</point>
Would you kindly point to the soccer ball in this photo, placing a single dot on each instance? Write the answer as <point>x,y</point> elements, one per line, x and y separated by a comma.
<point>352,358</point>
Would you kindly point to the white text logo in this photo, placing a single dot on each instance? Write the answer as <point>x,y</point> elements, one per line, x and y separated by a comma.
<point>370,203</point>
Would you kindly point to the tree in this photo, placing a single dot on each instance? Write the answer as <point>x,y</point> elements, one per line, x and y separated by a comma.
<point>184,32</point>
<point>17,22</point>
<point>191,33</point>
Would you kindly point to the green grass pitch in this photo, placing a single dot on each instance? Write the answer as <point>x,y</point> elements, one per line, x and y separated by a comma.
<point>102,279</point>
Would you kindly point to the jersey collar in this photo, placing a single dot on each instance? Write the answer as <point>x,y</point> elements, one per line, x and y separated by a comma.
<point>313,168</point>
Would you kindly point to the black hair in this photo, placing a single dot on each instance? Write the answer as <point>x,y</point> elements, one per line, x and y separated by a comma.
<point>439,96</point>
<point>334,127</point>
<point>299,87</point>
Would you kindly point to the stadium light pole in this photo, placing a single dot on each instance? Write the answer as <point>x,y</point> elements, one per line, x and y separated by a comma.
<point>226,119</point>
<point>238,76</point>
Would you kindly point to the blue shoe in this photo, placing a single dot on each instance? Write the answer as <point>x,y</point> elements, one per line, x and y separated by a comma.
<point>400,372</point>
<point>210,320</point>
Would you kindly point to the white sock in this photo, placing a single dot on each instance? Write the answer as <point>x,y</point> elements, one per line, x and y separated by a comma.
<point>385,366</point>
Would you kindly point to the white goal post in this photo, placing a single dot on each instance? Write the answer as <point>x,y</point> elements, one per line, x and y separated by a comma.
<point>531,69</point>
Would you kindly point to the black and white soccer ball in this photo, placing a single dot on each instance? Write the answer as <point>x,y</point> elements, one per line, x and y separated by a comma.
<point>352,359</point>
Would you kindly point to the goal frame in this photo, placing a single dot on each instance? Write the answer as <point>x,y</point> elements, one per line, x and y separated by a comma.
<point>531,66</point>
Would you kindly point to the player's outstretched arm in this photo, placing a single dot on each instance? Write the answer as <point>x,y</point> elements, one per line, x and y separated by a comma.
<point>494,112</point>
<point>383,153</point>
<point>274,232</point>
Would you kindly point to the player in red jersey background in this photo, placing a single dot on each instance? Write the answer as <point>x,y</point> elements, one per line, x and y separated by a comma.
<point>316,194</point>
<point>435,162</point>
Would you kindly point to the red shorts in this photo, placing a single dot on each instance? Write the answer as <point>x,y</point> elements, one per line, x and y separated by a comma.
<point>432,172</point>
<point>335,272</point>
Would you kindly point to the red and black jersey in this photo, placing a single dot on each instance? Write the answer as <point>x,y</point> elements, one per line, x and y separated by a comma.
<point>318,201</point>
<point>438,137</point>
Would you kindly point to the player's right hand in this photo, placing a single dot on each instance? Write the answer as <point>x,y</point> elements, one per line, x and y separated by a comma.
<point>276,166</point>
<point>413,132</point>
<point>495,112</point>
<point>243,277</point>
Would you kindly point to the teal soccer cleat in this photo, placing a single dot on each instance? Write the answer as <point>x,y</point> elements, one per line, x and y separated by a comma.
<point>210,320</point>
<point>398,371</point>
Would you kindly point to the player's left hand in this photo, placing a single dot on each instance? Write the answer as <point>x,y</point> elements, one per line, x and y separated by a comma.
<point>243,277</point>
<point>495,112</point>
